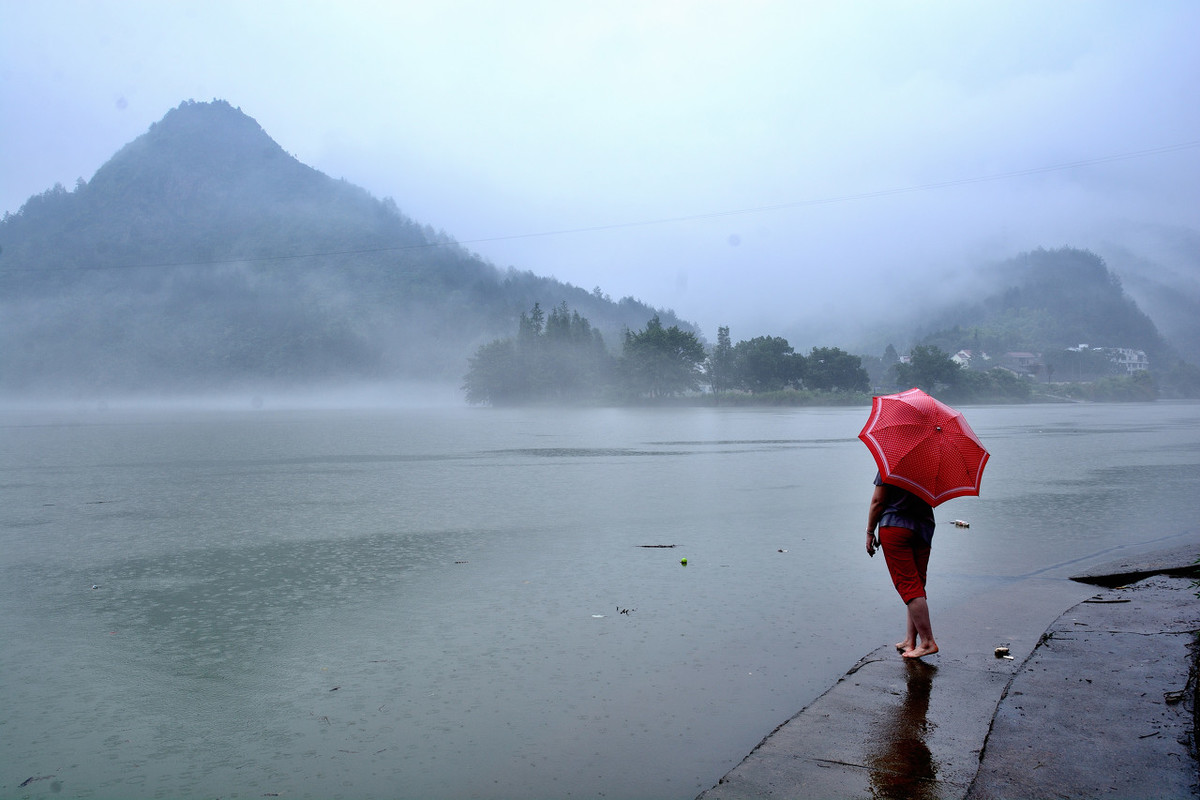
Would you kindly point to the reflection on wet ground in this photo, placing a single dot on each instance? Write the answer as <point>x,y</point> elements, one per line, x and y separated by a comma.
<point>901,763</point>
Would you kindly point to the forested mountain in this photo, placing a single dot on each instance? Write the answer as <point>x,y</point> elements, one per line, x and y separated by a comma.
<point>202,256</point>
<point>1049,300</point>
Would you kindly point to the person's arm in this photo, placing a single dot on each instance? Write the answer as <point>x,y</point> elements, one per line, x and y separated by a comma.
<point>874,512</point>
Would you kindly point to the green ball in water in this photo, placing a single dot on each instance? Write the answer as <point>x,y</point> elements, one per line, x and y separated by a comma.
<point>683,561</point>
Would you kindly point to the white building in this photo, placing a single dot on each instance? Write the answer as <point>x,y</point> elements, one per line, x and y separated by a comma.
<point>1129,359</point>
<point>1126,358</point>
<point>965,358</point>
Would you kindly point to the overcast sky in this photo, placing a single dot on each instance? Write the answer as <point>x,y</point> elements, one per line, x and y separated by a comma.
<point>771,166</point>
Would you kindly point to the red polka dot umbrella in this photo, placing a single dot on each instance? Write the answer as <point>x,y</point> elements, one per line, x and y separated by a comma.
<point>925,446</point>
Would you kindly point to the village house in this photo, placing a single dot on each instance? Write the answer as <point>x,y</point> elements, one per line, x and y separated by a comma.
<point>968,359</point>
<point>1127,358</point>
<point>1023,363</point>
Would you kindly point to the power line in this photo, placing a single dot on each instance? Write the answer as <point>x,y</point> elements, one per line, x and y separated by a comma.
<point>858,196</point>
<point>822,201</point>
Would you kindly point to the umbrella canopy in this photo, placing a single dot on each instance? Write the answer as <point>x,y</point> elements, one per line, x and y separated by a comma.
<point>925,446</point>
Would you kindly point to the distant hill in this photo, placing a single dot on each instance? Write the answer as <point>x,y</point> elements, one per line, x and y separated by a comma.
<point>1049,300</point>
<point>203,257</point>
<point>1167,287</point>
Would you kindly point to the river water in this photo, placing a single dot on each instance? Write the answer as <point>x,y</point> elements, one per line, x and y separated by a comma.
<point>463,602</point>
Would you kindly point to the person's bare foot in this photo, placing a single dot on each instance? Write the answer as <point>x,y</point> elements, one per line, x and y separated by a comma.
<point>904,647</point>
<point>923,650</point>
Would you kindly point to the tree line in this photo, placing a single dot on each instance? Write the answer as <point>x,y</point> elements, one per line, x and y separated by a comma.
<point>560,357</point>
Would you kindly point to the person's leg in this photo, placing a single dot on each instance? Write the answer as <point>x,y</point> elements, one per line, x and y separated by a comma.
<point>918,619</point>
<point>919,627</point>
<point>906,574</point>
<point>921,559</point>
<point>910,640</point>
<point>910,636</point>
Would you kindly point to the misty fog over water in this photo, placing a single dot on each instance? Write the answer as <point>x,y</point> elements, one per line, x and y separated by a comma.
<point>428,602</point>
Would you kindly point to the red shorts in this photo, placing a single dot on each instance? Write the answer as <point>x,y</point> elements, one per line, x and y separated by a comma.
<point>907,558</point>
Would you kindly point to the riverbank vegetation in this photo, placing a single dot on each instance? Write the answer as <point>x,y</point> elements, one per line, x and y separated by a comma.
<point>561,358</point>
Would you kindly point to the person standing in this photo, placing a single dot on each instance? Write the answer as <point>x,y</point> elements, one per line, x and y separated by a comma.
<point>905,532</point>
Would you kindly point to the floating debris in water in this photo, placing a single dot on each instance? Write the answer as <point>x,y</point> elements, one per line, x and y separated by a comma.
<point>28,781</point>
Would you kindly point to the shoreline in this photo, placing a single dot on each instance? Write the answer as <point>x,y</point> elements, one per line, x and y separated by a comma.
<point>973,725</point>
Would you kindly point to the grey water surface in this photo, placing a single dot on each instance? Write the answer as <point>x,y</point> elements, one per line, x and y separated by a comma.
<point>463,602</point>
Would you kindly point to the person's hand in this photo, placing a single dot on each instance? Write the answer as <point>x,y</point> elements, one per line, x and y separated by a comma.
<point>872,543</point>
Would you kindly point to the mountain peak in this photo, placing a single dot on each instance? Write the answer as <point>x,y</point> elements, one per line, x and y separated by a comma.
<point>193,146</point>
<point>198,122</point>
